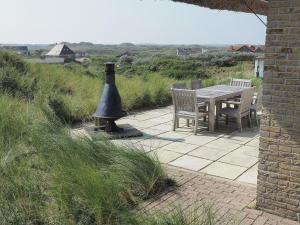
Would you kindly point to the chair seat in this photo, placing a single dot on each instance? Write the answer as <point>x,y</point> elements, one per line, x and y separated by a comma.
<point>230,112</point>
<point>185,114</point>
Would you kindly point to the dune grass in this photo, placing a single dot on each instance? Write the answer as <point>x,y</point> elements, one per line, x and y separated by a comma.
<point>199,213</point>
<point>72,91</point>
<point>48,177</point>
<point>73,96</point>
<point>243,70</point>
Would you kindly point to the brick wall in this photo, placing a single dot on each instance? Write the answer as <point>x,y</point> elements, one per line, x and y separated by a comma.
<point>278,189</point>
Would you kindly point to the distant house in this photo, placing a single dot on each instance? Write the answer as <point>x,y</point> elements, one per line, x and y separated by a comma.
<point>61,51</point>
<point>247,48</point>
<point>188,51</point>
<point>21,50</point>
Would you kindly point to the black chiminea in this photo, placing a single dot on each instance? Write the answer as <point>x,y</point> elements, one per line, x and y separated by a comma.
<point>109,108</point>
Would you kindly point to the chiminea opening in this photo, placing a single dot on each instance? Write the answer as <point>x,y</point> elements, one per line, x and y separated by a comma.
<point>110,105</point>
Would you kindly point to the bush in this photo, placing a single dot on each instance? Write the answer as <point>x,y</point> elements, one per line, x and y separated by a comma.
<point>14,79</point>
<point>11,60</point>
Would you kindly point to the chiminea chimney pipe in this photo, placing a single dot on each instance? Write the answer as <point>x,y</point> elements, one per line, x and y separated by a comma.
<point>110,105</point>
<point>110,73</point>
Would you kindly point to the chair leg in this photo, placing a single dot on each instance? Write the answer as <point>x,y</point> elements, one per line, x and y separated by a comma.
<point>226,120</point>
<point>249,121</point>
<point>196,125</point>
<point>255,117</point>
<point>177,123</point>
<point>239,122</point>
<point>217,120</point>
<point>204,118</point>
<point>174,123</point>
<point>187,122</point>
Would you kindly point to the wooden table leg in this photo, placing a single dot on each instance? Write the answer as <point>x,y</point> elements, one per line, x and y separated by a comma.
<point>211,115</point>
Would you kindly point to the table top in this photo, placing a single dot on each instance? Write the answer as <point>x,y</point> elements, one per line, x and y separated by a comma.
<point>219,92</point>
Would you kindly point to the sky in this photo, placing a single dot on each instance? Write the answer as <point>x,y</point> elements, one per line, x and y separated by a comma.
<point>119,21</point>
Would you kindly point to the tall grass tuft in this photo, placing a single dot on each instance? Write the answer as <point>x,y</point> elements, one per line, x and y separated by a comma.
<point>198,214</point>
<point>48,177</point>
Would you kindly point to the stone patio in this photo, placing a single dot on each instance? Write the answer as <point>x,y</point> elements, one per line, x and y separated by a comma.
<point>218,168</point>
<point>227,153</point>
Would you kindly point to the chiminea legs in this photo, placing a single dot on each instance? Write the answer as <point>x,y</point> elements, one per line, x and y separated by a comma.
<point>108,126</point>
<point>111,127</point>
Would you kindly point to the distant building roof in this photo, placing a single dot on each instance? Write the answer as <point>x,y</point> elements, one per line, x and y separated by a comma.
<point>60,50</point>
<point>246,48</point>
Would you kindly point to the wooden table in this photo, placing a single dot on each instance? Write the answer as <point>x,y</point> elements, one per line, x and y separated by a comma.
<point>215,94</point>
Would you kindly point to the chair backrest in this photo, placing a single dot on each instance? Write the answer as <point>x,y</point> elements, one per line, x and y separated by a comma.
<point>246,100</point>
<point>179,86</point>
<point>196,84</point>
<point>184,100</point>
<point>241,83</point>
<point>258,100</point>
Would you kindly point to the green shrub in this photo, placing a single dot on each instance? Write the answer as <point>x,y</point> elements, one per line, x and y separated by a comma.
<point>14,78</point>
<point>11,60</point>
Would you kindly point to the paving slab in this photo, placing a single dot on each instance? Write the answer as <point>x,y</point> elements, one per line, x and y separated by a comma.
<point>224,170</point>
<point>190,163</point>
<point>145,148</point>
<point>199,139</point>
<point>180,147</point>
<point>254,143</point>
<point>249,151</point>
<point>242,137</point>
<point>250,176</point>
<point>155,142</point>
<point>239,158</point>
<point>147,115</point>
<point>209,153</point>
<point>165,156</point>
<point>132,122</point>
<point>174,136</point>
<point>160,119</point>
<point>163,127</point>
<point>150,131</point>
<point>224,144</point>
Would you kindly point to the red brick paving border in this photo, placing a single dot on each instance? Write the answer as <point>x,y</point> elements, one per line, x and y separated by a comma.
<point>229,197</point>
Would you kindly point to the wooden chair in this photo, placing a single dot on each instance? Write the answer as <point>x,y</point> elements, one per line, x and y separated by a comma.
<point>256,105</point>
<point>196,84</point>
<point>241,83</point>
<point>185,106</point>
<point>179,86</point>
<point>242,110</point>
